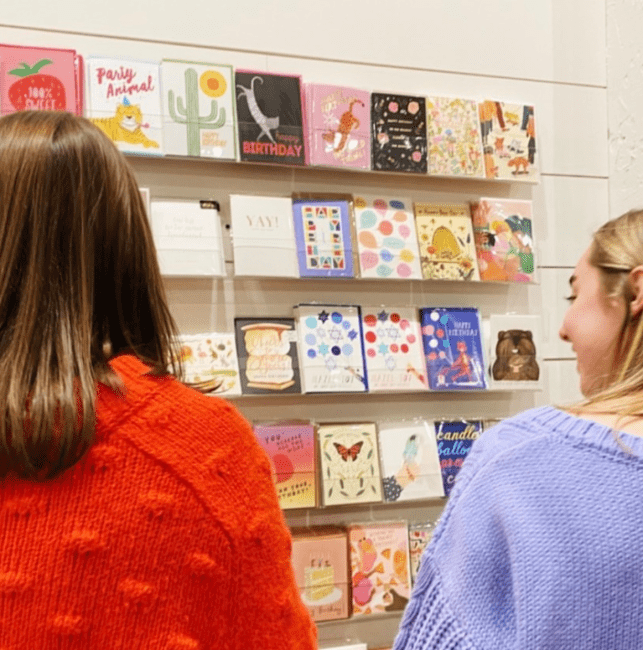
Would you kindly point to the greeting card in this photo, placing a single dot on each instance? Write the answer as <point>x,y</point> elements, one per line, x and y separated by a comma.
<point>514,355</point>
<point>504,239</point>
<point>270,118</point>
<point>398,128</point>
<point>124,101</point>
<point>455,145</point>
<point>330,346</point>
<point>419,537</point>
<point>447,245</point>
<point>509,141</point>
<point>455,439</point>
<point>320,563</point>
<point>409,461</point>
<point>291,449</point>
<point>393,349</point>
<point>386,238</point>
<point>268,360</point>
<point>339,124</point>
<point>453,347</point>
<point>199,109</point>
<point>323,237</point>
<point>379,554</point>
<point>188,238</point>
<point>349,463</point>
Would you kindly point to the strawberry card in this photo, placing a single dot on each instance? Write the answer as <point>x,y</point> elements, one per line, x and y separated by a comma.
<point>34,78</point>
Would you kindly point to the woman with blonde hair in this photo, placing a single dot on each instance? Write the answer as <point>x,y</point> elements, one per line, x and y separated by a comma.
<point>540,545</point>
<point>134,511</point>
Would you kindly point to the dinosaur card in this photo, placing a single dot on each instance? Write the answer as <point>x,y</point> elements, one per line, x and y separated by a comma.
<point>339,126</point>
<point>509,141</point>
<point>270,118</point>
<point>40,78</point>
<point>124,101</point>
<point>455,439</point>
<point>199,109</point>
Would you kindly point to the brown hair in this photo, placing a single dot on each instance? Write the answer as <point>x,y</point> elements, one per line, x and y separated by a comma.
<point>79,284</point>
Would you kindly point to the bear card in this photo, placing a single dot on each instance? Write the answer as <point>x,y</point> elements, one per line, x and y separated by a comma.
<point>349,463</point>
<point>291,449</point>
<point>339,126</point>
<point>124,101</point>
<point>386,238</point>
<point>270,118</point>
<point>419,537</point>
<point>453,348</point>
<point>323,237</point>
<point>380,573</point>
<point>398,133</point>
<point>268,359</point>
<point>455,145</point>
<point>455,439</point>
<point>503,231</point>
<point>320,564</point>
<point>409,461</point>
<point>210,362</point>
<point>188,238</point>
<point>263,237</point>
<point>199,109</point>
<point>40,78</point>
<point>331,351</point>
<point>447,244</point>
<point>515,360</point>
<point>393,349</point>
<point>509,141</point>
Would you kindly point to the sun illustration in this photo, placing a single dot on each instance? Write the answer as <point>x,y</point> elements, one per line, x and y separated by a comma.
<point>212,83</point>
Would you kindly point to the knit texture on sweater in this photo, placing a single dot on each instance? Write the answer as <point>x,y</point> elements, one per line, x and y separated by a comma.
<point>540,546</point>
<point>166,536</point>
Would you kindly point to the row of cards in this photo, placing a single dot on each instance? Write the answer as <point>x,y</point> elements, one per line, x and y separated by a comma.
<point>209,109</point>
<point>360,570</point>
<point>347,348</point>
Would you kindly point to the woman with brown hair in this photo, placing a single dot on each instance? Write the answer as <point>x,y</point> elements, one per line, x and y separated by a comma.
<point>134,511</point>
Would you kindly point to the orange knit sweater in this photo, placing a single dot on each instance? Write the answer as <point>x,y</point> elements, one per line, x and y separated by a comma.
<point>167,535</point>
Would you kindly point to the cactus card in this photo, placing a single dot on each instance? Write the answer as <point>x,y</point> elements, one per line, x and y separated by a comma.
<point>198,108</point>
<point>33,78</point>
<point>125,103</point>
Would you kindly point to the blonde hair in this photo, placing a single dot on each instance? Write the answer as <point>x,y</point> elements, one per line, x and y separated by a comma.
<point>79,284</point>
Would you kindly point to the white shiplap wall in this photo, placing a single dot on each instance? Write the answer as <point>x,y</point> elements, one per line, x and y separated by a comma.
<point>549,53</point>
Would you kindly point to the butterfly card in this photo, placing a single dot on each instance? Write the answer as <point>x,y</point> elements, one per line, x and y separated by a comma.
<point>455,439</point>
<point>349,463</point>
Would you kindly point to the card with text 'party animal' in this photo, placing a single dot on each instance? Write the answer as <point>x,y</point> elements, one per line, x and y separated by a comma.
<point>455,439</point>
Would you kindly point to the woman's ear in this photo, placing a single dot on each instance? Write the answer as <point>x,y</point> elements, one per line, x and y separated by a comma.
<point>636,280</point>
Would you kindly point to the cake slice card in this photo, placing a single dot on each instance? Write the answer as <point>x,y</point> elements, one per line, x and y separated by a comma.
<point>210,361</point>
<point>504,239</point>
<point>291,449</point>
<point>330,345</point>
<point>420,535</point>
<point>339,124</point>
<point>124,101</point>
<point>398,128</point>
<point>320,564</point>
<point>455,145</point>
<point>393,349</point>
<point>349,463</point>
<point>379,555</point>
<point>453,347</point>
<point>40,78</point>
<point>447,244</point>
<point>323,238</point>
<point>270,118</point>
<point>409,461</point>
<point>386,238</point>
<point>515,351</point>
<point>509,141</point>
<point>268,359</point>
<point>455,439</point>
<point>263,236</point>
<point>199,109</point>
<point>188,238</point>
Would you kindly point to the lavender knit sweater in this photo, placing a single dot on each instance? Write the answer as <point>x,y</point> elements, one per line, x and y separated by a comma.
<point>540,546</point>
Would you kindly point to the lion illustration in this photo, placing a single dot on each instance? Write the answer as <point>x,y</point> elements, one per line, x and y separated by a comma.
<point>125,126</point>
